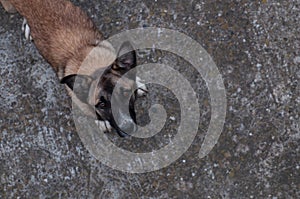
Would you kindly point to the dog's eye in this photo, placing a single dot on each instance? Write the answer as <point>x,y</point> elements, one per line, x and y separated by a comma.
<point>102,103</point>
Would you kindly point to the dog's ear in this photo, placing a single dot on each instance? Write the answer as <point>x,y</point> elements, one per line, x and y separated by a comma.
<point>83,82</point>
<point>126,57</point>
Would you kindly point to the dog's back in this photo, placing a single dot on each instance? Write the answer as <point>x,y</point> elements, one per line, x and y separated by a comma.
<point>60,30</point>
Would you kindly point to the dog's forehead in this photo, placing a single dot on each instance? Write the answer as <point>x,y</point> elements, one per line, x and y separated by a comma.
<point>110,83</point>
<point>119,81</point>
<point>99,57</point>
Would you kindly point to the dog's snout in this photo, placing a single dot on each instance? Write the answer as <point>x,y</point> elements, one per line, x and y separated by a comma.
<point>129,127</point>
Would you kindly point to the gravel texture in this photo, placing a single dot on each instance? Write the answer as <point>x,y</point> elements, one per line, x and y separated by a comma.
<point>256,46</point>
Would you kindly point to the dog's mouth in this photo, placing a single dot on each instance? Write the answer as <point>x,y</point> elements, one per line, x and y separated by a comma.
<point>114,125</point>
<point>123,122</point>
<point>120,132</point>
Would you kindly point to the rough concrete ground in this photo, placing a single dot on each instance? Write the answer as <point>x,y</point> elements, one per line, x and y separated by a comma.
<point>255,45</point>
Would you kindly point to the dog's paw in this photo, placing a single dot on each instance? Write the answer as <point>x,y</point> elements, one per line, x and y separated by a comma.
<point>142,89</point>
<point>103,125</point>
<point>26,30</point>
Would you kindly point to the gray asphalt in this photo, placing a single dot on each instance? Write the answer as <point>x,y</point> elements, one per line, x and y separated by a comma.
<point>255,45</point>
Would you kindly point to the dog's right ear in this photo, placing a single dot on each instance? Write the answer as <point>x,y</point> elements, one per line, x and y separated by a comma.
<point>126,57</point>
<point>83,82</point>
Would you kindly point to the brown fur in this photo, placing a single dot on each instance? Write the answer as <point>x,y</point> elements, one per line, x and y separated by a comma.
<point>61,31</point>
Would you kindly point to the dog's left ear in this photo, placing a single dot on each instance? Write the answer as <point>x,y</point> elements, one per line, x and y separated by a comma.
<point>82,81</point>
<point>126,57</point>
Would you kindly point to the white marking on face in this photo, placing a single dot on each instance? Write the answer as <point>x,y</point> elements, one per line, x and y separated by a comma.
<point>142,88</point>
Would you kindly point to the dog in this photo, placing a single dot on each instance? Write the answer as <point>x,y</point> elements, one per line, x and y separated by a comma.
<point>70,42</point>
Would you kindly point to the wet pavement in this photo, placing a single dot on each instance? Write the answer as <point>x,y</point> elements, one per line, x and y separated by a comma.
<point>255,45</point>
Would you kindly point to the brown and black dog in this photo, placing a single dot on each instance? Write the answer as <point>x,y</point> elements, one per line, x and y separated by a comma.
<point>68,39</point>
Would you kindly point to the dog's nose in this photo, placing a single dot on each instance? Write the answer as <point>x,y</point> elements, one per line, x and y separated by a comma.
<point>129,127</point>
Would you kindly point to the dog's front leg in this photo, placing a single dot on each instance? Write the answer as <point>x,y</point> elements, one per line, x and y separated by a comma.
<point>103,125</point>
<point>26,30</point>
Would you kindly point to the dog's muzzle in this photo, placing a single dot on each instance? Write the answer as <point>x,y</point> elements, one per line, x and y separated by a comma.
<point>125,128</point>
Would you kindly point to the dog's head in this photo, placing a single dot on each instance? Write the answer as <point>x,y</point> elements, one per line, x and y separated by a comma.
<point>99,92</point>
